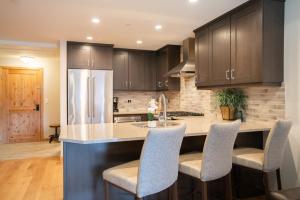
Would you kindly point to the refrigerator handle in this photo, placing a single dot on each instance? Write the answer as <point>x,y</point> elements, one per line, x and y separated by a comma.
<point>93,97</point>
<point>88,96</point>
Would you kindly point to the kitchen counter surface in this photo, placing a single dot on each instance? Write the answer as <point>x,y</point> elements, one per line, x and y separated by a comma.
<point>118,132</point>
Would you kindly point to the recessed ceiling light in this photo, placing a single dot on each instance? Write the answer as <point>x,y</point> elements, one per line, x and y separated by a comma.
<point>158,27</point>
<point>139,41</point>
<point>89,38</point>
<point>95,20</point>
<point>193,1</point>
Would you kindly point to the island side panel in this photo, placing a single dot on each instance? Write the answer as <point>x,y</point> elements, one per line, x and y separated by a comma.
<point>84,164</point>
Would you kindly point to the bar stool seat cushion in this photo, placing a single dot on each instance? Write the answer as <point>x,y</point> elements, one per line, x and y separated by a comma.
<point>190,164</point>
<point>249,157</point>
<point>124,176</point>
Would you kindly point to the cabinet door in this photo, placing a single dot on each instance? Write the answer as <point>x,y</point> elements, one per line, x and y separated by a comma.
<point>136,70</point>
<point>202,58</point>
<point>120,68</point>
<point>246,49</point>
<point>102,57</point>
<point>78,56</point>
<point>162,69</point>
<point>219,53</point>
<point>150,71</point>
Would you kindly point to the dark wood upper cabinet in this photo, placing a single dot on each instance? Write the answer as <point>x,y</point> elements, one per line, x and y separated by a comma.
<point>202,58</point>
<point>245,46</point>
<point>150,66</point>
<point>136,70</point>
<point>168,57</point>
<point>120,68</point>
<point>89,56</point>
<point>78,56</point>
<point>101,57</point>
<point>219,52</point>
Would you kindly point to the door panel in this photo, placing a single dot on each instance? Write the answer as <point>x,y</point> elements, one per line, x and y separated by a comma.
<point>102,57</point>
<point>220,52</point>
<point>136,70</point>
<point>150,71</point>
<point>120,68</point>
<point>246,49</point>
<point>24,96</point>
<point>79,97</point>
<point>78,56</point>
<point>202,58</point>
<point>102,96</point>
<point>3,107</point>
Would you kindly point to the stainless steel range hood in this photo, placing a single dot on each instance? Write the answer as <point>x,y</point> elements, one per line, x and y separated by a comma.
<point>187,66</point>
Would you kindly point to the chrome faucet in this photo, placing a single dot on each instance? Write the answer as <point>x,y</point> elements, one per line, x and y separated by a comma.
<point>163,100</point>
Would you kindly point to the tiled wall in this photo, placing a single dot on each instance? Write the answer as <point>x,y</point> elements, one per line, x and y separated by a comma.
<point>264,103</point>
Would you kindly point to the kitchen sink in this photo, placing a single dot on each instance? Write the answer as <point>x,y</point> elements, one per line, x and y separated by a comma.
<point>158,124</point>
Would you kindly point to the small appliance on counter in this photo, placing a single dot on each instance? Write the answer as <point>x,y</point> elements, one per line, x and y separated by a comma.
<point>116,102</point>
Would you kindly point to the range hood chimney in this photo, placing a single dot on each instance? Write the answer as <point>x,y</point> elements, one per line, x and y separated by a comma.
<point>187,66</point>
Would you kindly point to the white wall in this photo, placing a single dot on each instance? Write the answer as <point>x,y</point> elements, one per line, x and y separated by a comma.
<point>50,64</point>
<point>291,166</point>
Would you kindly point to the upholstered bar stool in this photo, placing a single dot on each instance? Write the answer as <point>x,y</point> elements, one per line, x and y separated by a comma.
<point>216,160</point>
<point>157,168</point>
<point>268,160</point>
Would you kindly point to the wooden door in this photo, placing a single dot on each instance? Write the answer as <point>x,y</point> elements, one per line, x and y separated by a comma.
<point>202,58</point>
<point>246,45</point>
<point>102,57</point>
<point>78,56</point>
<point>150,71</point>
<point>219,52</point>
<point>24,89</point>
<point>136,70</point>
<point>120,68</point>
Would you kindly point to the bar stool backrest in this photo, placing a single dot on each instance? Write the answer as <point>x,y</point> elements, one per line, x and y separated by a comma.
<point>218,149</point>
<point>159,160</point>
<point>275,145</point>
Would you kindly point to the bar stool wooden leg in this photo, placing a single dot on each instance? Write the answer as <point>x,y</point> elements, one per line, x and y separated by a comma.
<point>266,184</point>
<point>228,187</point>
<point>106,190</point>
<point>278,179</point>
<point>204,191</point>
<point>174,191</point>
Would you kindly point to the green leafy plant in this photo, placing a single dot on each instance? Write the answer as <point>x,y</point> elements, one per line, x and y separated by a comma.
<point>232,97</point>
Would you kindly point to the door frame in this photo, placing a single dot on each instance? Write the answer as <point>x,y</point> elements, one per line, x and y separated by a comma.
<point>41,74</point>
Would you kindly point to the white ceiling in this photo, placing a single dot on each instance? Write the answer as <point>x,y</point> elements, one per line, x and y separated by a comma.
<point>122,21</point>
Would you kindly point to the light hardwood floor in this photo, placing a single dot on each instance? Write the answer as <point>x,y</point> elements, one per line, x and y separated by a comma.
<point>31,179</point>
<point>34,179</point>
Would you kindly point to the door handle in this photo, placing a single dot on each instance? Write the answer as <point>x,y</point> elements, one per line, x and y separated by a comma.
<point>227,76</point>
<point>88,96</point>
<point>232,74</point>
<point>93,100</point>
<point>37,107</point>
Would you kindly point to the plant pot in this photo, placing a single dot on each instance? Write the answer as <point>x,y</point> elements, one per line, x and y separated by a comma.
<point>228,113</point>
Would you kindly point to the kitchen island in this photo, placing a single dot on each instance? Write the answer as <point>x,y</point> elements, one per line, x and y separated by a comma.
<point>91,148</point>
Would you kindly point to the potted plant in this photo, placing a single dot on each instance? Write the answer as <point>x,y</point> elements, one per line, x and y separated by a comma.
<point>231,101</point>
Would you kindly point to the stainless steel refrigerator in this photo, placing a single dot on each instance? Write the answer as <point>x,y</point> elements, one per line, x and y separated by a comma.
<point>90,96</point>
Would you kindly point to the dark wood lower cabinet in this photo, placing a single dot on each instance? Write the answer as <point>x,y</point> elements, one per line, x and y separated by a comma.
<point>84,164</point>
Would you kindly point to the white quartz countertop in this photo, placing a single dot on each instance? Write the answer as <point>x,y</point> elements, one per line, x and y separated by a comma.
<point>118,132</point>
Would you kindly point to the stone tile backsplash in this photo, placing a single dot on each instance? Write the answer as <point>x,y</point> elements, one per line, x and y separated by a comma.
<point>264,103</point>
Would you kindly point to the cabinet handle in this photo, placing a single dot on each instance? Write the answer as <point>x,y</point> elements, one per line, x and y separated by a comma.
<point>92,63</point>
<point>130,84</point>
<point>88,63</point>
<point>159,84</point>
<point>227,76</point>
<point>232,74</point>
<point>166,83</point>
<point>126,83</point>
